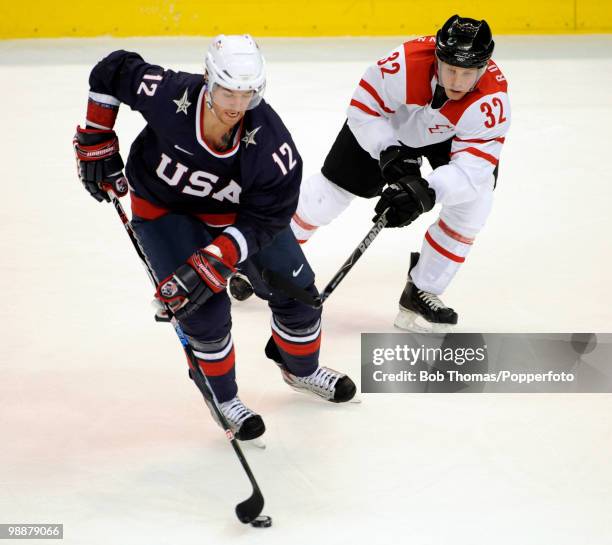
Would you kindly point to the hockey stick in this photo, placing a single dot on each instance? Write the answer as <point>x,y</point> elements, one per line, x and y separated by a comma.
<point>248,510</point>
<point>380,223</point>
<point>275,280</point>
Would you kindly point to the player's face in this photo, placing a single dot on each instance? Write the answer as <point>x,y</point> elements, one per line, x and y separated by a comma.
<point>457,81</point>
<point>229,105</point>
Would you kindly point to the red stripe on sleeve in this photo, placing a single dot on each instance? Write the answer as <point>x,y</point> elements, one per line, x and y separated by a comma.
<point>101,114</point>
<point>479,153</point>
<point>364,108</point>
<point>443,251</point>
<point>365,85</point>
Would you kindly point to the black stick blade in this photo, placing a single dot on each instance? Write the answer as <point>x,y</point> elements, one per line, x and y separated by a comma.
<point>248,510</point>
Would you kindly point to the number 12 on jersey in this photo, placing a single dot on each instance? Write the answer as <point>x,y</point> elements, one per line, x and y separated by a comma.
<point>287,152</point>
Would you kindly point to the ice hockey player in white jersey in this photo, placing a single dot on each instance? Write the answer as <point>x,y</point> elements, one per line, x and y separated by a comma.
<point>439,97</point>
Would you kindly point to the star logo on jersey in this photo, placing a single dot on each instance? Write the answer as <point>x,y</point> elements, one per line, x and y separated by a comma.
<point>182,103</point>
<point>250,137</point>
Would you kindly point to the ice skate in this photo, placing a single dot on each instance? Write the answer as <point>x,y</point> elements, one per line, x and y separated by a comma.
<point>246,425</point>
<point>325,383</point>
<point>421,311</point>
<point>239,287</point>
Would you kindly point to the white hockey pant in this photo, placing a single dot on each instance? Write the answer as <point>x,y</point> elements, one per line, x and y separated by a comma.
<point>448,241</point>
<point>321,201</point>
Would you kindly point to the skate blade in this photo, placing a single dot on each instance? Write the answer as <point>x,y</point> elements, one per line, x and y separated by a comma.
<point>415,323</point>
<point>306,392</point>
<point>311,394</point>
<point>258,442</point>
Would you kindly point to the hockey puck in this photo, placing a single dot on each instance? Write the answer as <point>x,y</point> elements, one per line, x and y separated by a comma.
<point>262,521</point>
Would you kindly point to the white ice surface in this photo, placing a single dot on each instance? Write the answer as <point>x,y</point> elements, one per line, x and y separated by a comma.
<point>101,430</point>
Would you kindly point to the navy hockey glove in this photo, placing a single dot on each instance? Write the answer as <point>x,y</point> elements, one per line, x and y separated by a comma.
<point>399,161</point>
<point>406,200</point>
<point>195,282</point>
<point>99,164</point>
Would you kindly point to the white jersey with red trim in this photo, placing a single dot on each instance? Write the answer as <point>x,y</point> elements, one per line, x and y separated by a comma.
<point>393,104</point>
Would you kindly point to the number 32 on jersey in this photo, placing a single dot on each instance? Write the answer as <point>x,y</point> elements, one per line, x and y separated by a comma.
<point>494,112</point>
<point>387,66</point>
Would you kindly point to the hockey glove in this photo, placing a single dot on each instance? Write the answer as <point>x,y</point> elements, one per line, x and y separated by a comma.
<point>99,164</point>
<point>192,284</point>
<point>406,200</point>
<point>399,161</point>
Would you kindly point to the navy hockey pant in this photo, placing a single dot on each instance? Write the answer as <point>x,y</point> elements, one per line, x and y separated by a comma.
<point>296,328</point>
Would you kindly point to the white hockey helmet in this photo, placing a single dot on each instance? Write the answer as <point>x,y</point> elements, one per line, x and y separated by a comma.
<point>234,62</point>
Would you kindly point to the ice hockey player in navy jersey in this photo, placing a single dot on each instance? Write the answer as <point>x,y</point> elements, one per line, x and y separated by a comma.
<point>214,180</point>
<point>439,97</point>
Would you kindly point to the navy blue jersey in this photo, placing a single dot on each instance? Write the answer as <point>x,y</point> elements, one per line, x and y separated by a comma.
<point>251,189</point>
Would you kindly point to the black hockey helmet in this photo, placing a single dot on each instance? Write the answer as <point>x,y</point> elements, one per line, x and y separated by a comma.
<point>465,42</point>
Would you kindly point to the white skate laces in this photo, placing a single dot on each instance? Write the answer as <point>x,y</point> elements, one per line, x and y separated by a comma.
<point>235,412</point>
<point>321,383</point>
<point>431,300</point>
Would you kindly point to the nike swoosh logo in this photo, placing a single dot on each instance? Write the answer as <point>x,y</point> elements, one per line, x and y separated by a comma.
<point>295,273</point>
<point>183,150</point>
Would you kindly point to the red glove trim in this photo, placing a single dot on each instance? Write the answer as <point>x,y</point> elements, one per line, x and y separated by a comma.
<point>95,152</point>
<point>168,291</point>
<point>229,251</point>
<point>206,270</point>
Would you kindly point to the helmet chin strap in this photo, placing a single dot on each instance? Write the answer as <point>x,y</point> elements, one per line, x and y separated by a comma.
<point>210,105</point>
<point>209,102</point>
